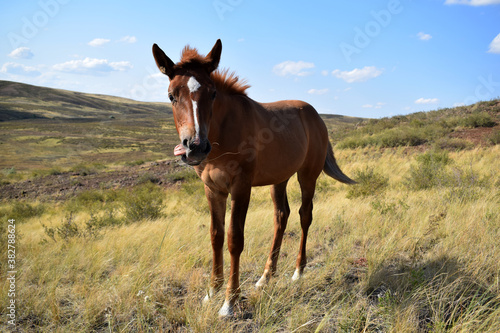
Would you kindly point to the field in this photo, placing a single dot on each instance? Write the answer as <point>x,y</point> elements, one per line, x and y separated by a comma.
<point>118,239</point>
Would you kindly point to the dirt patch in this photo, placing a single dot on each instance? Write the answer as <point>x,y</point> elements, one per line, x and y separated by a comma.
<point>67,184</point>
<point>478,136</point>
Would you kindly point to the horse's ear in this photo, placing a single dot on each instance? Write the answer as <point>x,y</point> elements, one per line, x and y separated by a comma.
<point>213,57</point>
<point>165,65</point>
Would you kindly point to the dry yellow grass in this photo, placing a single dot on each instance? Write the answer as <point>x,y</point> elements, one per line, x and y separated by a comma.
<point>402,261</point>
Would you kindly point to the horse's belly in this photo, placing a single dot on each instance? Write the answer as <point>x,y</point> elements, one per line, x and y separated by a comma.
<point>274,165</point>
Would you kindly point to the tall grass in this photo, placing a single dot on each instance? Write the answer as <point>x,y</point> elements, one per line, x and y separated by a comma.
<point>405,259</point>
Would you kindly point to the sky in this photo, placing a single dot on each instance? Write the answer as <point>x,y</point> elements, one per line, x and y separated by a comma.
<point>363,58</point>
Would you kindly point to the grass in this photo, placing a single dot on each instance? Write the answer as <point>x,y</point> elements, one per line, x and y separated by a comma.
<point>406,259</point>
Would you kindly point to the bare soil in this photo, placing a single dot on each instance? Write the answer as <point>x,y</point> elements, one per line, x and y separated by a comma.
<point>67,184</point>
<point>478,136</point>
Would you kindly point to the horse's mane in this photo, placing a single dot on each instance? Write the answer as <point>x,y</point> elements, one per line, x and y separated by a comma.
<point>225,81</point>
<point>229,82</point>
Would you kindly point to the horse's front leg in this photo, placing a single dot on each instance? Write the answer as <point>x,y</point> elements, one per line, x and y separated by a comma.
<point>217,204</point>
<point>240,198</point>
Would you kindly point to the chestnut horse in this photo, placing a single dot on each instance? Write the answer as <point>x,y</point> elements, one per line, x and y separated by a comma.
<point>235,143</point>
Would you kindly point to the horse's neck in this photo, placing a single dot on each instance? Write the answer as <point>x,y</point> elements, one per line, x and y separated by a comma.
<point>226,110</point>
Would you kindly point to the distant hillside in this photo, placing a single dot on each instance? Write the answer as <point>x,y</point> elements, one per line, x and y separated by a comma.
<point>24,101</point>
<point>456,128</point>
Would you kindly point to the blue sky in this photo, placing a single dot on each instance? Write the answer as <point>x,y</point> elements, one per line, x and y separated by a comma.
<point>359,58</point>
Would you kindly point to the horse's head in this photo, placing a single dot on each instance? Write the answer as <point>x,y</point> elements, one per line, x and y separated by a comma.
<point>192,94</point>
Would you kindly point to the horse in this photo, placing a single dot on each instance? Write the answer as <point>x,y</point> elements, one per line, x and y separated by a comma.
<point>235,143</point>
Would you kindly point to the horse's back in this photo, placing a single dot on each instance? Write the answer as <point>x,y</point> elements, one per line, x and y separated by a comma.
<point>296,113</point>
<point>293,137</point>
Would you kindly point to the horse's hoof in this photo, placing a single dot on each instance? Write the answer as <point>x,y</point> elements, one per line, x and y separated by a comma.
<point>262,282</point>
<point>227,310</point>
<point>297,275</point>
<point>210,294</point>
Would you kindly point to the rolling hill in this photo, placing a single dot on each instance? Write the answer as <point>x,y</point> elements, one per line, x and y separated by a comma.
<point>24,101</point>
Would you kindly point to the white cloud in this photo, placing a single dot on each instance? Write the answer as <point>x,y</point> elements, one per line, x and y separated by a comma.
<point>317,91</point>
<point>92,66</point>
<point>98,42</point>
<point>21,53</point>
<point>129,39</point>
<point>376,106</point>
<point>427,101</point>
<point>472,2</point>
<point>121,66</point>
<point>18,69</point>
<point>297,68</point>
<point>423,36</point>
<point>495,45</point>
<point>358,74</point>
<point>325,72</point>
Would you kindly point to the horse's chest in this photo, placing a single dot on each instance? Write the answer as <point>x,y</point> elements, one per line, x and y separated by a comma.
<point>217,179</point>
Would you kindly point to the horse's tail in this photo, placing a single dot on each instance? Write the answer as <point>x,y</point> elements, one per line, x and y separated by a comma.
<point>332,169</point>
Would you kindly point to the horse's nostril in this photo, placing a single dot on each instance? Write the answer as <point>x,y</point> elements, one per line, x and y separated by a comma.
<point>185,142</point>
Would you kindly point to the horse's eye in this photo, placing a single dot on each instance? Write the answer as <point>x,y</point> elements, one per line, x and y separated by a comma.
<point>171,97</point>
<point>214,94</point>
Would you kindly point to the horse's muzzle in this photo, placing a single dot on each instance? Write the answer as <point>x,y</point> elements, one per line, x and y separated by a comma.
<point>195,152</point>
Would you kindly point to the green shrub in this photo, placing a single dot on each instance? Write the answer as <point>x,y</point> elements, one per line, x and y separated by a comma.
<point>9,172</point>
<point>147,177</point>
<point>186,174</point>
<point>478,119</point>
<point>400,137</point>
<point>69,229</point>
<point>144,202</point>
<point>465,185</point>
<point>429,170</point>
<point>86,170</point>
<point>134,163</point>
<point>21,211</point>
<point>96,222</point>
<point>453,144</point>
<point>494,137</point>
<point>66,231</point>
<point>86,200</point>
<point>369,183</point>
<point>353,142</point>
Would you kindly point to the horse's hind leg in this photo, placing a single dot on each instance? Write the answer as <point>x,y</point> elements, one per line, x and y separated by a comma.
<point>308,186</point>
<point>281,213</point>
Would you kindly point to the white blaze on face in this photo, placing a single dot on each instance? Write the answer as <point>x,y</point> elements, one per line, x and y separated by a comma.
<point>193,86</point>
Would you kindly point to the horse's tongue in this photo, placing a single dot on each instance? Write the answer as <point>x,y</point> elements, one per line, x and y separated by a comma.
<point>179,150</point>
